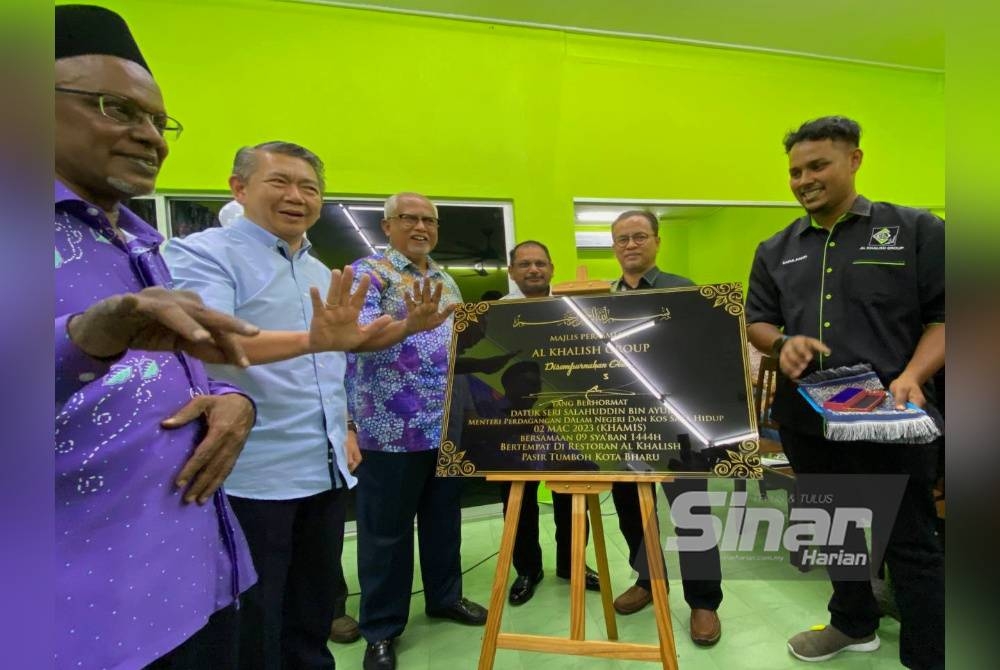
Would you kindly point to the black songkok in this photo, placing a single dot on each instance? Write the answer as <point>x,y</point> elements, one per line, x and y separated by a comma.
<point>86,29</point>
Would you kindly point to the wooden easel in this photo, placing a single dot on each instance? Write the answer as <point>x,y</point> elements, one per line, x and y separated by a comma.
<point>585,494</point>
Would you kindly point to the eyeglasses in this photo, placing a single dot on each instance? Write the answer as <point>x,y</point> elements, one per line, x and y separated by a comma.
<point>639,238</point>
<point>128,113</point>
<point>410,220</point>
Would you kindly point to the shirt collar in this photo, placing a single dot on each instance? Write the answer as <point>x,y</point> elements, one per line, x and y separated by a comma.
<point>649,277</point>
<point>401,262</point>
<point>93,216</point>
<point>267,238</point>
<point>861,206</point>
<point>516,292</point>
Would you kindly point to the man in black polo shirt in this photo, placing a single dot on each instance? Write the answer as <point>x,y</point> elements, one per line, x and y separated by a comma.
<point>857,281</point>
<point>635,235</point>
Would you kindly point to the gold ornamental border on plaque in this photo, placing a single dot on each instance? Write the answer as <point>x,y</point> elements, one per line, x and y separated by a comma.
<point>451,462</point>
<point>469,311</point>
<point>728,296</point>
<point>742,464</point>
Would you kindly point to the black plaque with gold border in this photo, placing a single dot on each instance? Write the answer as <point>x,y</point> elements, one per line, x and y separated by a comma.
<point>639,382</point>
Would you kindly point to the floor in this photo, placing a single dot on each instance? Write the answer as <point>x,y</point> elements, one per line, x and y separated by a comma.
<point>765,602</point>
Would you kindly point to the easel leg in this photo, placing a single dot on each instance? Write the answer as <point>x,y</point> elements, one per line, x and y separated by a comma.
<point>578,568</point>
<point>654,557</point>
<point>489,651</point>
<point>600,550</point>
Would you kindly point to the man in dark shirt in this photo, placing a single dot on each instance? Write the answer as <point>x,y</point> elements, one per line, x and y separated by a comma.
<point>855,281</point>
<point>531,271</point>
<point>635,235</point>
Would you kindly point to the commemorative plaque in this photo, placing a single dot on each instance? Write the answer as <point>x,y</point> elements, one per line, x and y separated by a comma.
<point>634,382</point>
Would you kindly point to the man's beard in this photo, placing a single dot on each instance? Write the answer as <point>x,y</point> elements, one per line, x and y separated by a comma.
<point>127,188</point>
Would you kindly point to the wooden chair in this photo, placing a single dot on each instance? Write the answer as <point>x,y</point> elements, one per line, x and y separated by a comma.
<point>763,396</point>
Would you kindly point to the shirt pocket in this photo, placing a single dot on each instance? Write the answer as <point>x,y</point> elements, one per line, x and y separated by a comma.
<point>878,281</point>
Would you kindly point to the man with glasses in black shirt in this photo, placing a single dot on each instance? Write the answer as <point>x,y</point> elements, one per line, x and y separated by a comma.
<point>855,281</point>
<point>635,235</point>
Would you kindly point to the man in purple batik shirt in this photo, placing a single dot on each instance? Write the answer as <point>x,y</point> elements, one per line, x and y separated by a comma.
<point>149,558</point>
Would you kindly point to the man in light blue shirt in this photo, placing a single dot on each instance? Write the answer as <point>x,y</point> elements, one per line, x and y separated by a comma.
<point>288,486</point>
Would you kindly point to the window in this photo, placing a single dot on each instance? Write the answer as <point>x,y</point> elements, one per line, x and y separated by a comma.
<point>473,238</point>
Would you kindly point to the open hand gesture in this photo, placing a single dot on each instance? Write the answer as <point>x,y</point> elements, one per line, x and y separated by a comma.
<point>422,307</point>
<point>334,325</point>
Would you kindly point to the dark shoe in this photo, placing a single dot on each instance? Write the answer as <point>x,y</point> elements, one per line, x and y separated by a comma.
<point>344,630</point>
<point>885,598</point>
<point>591,581</point>
<point>706,629</point>
<point>523,588</point>
<point>633,600</point>
<point>462,610</point>
<point>380,656</point>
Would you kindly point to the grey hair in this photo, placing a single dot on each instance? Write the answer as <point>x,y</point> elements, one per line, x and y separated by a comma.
<point>392,203</point>
<point>245,162</point>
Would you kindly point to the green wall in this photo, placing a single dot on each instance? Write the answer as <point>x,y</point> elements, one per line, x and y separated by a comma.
<point>470,110</point>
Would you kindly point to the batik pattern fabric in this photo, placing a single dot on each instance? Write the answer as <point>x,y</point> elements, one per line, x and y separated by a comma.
<point>396,396</point>
<point>138,571</point>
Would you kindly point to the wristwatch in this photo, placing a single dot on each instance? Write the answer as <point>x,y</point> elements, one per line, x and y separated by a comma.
<point>777,345</point>
<point>351,426</point>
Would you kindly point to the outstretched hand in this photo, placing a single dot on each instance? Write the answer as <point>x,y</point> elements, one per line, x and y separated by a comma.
<point>159,319</point>
<point>334,325</point>
<point>422,307</point>
<point>798,352</point>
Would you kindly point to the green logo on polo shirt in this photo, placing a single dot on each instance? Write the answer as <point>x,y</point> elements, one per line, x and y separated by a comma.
<point>884,236</point>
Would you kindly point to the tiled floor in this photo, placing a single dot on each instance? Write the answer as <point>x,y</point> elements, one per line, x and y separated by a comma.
<point>765,603</point>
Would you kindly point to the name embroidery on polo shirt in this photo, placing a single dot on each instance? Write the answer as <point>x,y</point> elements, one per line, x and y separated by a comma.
<point>794,260</point>
<point>883,238</point>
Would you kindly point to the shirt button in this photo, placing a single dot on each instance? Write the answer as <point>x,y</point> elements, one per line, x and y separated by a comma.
<point>833,244</point>
<point>828,296</point>
<point>92,211</point>
<point>826,324</point>
<point>829,270</point>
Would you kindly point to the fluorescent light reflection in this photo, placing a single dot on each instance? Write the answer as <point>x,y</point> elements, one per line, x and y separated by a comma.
<point>632,330</point>
<point>641,378</point>
<point>736,438</point>
<point>350,217</point>
<point>597,216</point>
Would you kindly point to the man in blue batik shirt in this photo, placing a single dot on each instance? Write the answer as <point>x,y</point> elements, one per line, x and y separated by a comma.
<point>397,398</point>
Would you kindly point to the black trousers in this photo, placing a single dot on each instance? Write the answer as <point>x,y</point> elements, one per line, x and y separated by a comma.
<point>214,647</point>
<point>527,557</point>
<point>285,618</point>
<point>914,554</point>
<point>393,488</point>
<point>339,588</point>
<point>701,571</point>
